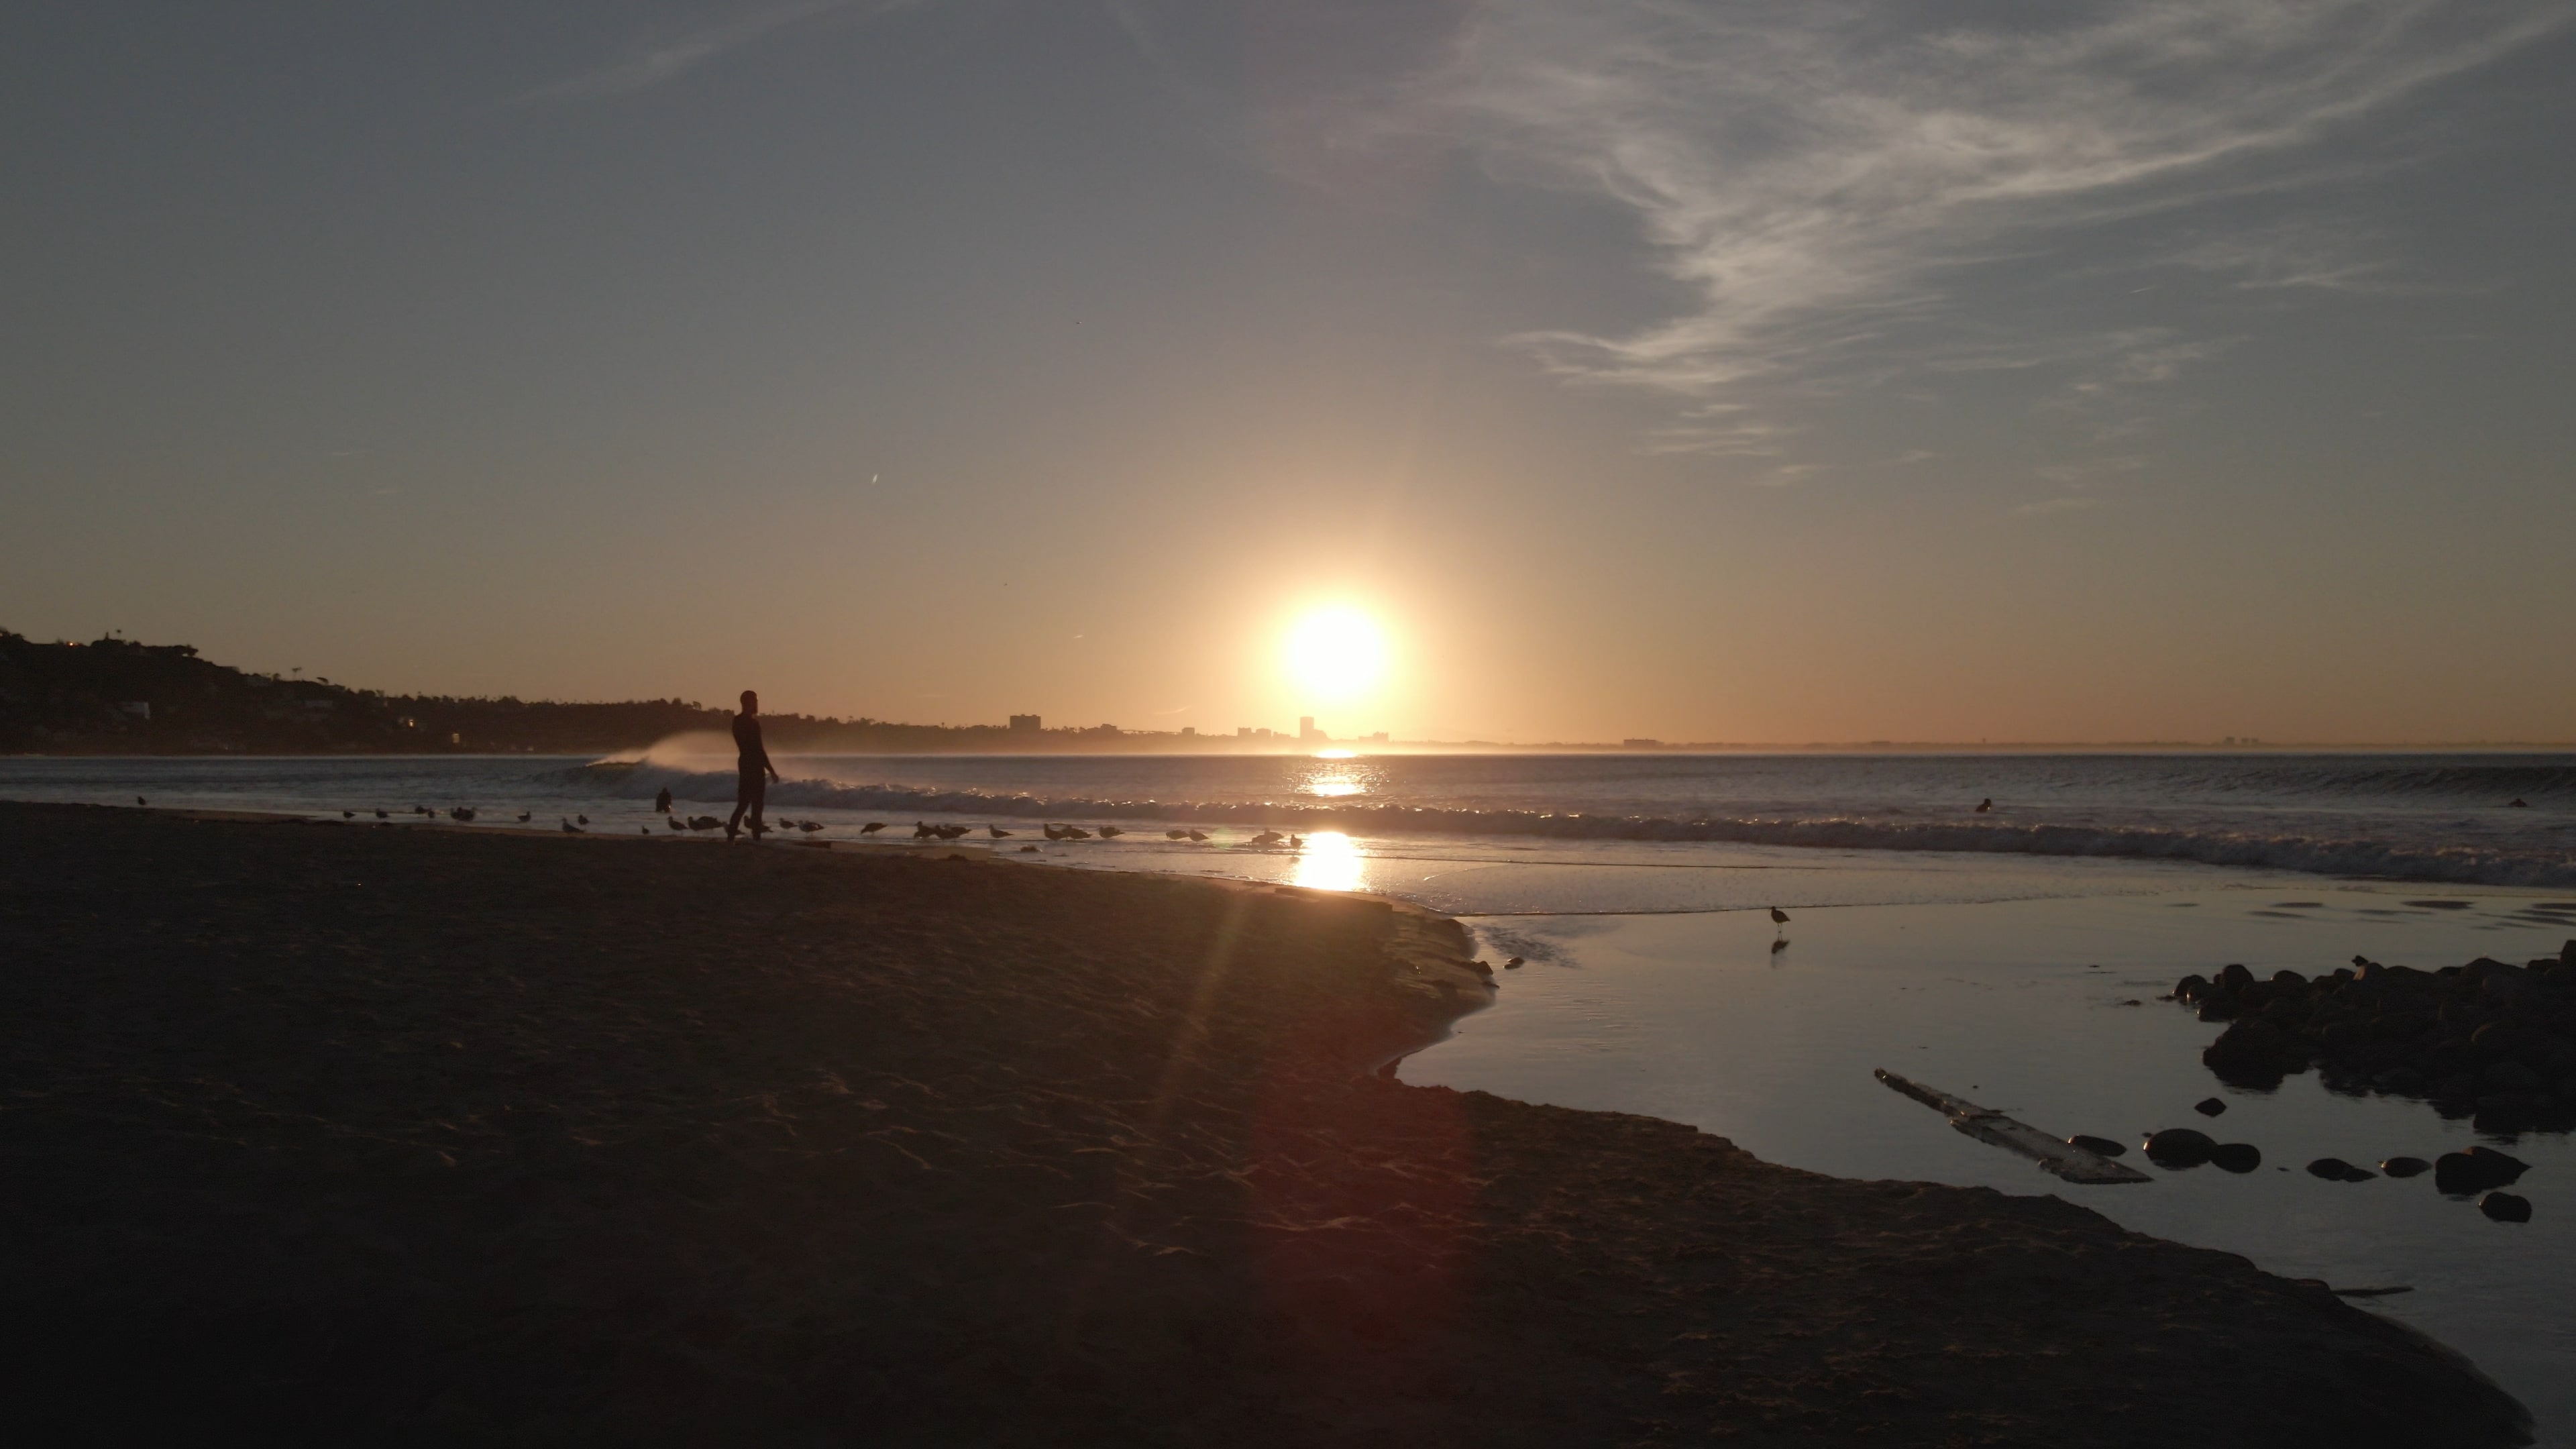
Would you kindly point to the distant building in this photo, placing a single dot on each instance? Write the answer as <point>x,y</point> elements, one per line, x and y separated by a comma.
<point>1261,734</point>
<point>1306,728</point>
<point>1642,744</point>
<point>1189,730</point>
<point>1379,738</point>
<point>1024,724</point>
<point>1244,732</point>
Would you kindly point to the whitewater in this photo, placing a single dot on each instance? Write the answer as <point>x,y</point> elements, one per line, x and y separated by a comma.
<point>2433,818</point>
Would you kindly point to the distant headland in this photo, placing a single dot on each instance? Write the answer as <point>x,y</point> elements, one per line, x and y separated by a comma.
<point>114,696</point>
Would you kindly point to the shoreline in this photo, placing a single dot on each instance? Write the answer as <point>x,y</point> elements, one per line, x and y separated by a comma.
<point>513,1137</point>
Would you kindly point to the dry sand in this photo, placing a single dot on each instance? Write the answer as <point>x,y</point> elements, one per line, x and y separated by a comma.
<point>441,1135</point>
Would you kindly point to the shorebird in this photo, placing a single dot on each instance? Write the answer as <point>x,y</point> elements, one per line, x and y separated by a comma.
<point>1198,835</point>
<point>1054,832</point>
<point>1076,832</point>
<point>584,819</point>
<point>924,832</point>
<point>139,800</point>
<point>704,822</point>
<point>644,829</point>
<point>1779,917</point>
<point>384,815</point>
<point>1110,832</point>
<point>524,814</point>
<point>462,813</point>
<point>872,827</point>
<point>348,814</point>
<point>672,820</point>
<point>951,832</point>
<point>1296,842</point>
<point>2516,803</point>
<point>809,826</point>
<point>1267,837</point>
<point>571,829</point>
<point>1176,835</point>
<point>998,832</point>
<point>1985,805</point>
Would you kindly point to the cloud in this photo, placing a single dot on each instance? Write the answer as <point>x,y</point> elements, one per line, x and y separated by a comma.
<point>1822,175</point>
<point>651,60</point>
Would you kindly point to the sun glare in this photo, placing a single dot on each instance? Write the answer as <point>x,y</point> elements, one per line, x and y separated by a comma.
<point>1336,653</point>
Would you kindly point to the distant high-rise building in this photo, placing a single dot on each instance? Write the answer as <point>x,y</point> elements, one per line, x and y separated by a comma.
<point>1187,730</point>
<point>1024,724</point>
<point>1243,732</point>
<point>1306,727</point>
<point>1379,738</point>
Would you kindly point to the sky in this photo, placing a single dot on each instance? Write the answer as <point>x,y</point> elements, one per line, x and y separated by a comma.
<point>1766,372</point>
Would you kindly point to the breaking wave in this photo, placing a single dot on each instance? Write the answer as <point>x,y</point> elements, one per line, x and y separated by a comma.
<point>2317,853</point>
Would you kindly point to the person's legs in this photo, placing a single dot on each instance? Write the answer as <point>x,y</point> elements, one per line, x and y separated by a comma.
<point>746,796</point>
<point>759,788</point>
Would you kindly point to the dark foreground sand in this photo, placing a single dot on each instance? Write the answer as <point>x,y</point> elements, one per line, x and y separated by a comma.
<point>409,1135</point>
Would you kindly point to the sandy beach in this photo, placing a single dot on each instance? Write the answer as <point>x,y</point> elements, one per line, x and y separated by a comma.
<point>336,1132</point>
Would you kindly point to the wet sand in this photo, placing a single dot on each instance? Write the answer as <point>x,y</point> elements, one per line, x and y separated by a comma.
<point>351,1133</point>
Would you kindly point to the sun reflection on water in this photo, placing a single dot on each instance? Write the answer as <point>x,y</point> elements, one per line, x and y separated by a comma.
<point>1331,861</point>
<point>1331,778</point>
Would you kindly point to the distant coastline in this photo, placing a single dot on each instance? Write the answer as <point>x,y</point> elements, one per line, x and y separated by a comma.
<point>114,697</point>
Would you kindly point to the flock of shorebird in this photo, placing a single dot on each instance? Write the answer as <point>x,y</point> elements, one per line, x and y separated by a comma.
<point>921,830</point>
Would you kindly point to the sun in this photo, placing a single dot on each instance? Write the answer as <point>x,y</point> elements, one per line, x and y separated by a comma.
<point>1335,653</point>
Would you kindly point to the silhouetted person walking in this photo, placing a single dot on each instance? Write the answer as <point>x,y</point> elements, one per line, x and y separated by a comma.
<point>751,790</point>
<point>662,802</point>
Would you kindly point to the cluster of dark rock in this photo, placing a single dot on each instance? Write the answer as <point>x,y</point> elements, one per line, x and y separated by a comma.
<point>2488,1040</point>
<point>2478,1170</point>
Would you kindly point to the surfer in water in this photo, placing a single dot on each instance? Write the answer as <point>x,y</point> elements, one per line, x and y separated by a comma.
<point>751,789</point>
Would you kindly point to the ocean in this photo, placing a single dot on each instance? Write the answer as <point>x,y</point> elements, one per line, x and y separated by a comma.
<point>2447,818</point>
<point>2014,956</point>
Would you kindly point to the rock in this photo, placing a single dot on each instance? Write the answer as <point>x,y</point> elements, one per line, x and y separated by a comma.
<point>2504,1207</point>
<point>2234,978</point>
<point>2178,1147</point>
<point>2511,1076</point>
<point>2216,1005</point>
<point>2236,1157</point>
<point>2289,981</point>
<point>1513,964</point>
<point>2191,988</point>
<point>2404,1080</point>
<point>2476,1170</point>
<point>2504,1039</point>
<point>2209,1106</point>
<point>2405,1167</point>
<point>2098,1146</point>
<point>2254,1054</point>
<point>2335,1169</point>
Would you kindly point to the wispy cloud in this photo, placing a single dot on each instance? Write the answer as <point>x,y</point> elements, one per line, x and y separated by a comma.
<point>650,60</point>
<point>2045,506</point>
<point>1821,174</point>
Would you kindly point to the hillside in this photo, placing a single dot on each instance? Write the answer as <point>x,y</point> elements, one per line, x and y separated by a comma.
<point>117,697</point>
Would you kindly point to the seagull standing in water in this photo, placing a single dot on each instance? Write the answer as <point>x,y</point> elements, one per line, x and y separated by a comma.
<point>1985,805</point>
<point>1779,917</point>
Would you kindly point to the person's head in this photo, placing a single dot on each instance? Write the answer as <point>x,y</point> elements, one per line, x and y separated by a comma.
<point>750,701</point>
